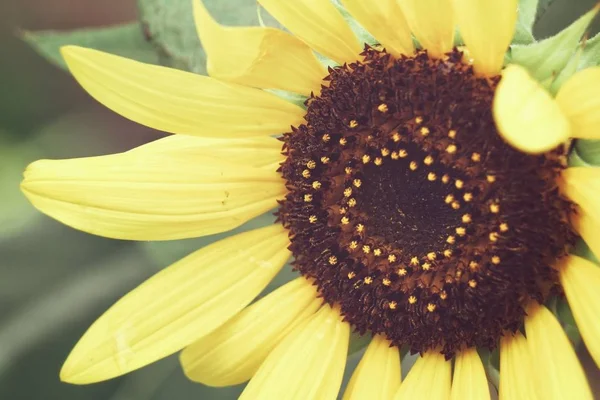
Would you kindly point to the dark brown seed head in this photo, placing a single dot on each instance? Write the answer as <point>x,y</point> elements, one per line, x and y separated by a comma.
<point>408,210</point>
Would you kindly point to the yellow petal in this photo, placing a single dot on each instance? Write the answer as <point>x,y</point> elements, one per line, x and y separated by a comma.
<point>588,228</point>
<point>469,381</point>
<point>181,303</point>
<point>176,101</point>
<point>377,376</point>
<point>385,21</point>
<point>526,115</point>
<point>260,151</point>
<point>233,353</point>
<point>428,379</point>
<point>516,369</point>
<point>257,56</point>
<point>432,23</point>
<point>148,195</point>
<point>307,364</point>
<point>319,24</point>
<point>582,185</point>
<point>558,374</point>
<point>487,27</point>
<point>579,101</point>
<point>580,279</point>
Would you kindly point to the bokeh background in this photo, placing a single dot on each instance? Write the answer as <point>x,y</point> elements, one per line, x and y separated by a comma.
<point>55,281</point>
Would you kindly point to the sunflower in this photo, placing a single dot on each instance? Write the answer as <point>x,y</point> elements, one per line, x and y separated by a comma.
<point>423,194</point>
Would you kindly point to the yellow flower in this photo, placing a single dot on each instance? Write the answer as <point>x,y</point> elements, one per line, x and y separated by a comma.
<point>441,251</point>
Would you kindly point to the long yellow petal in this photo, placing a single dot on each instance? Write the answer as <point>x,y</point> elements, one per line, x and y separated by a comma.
<point>307,364</point>
<point>385,21</point>
<point>516,369</point>
<point>558,374</point>
<point>582,185</point>
<point>588,228</point>
<point>487,27</point>
<point>233,353</point>
<point>319,24</point>
<point>378,374</point>
<point>181,303</point>
<point>580,279</point>
<point>258,56</point>
<point>526,115</point>
<point>149,195</point>
<point>579,101</point>
<point>260,151</point>
<point>176,101</point>
<point>428,379</point>
<point>432,23</point>
<point>469,381</point>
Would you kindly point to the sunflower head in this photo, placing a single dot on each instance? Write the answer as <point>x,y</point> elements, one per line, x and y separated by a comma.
<point>423,193</point>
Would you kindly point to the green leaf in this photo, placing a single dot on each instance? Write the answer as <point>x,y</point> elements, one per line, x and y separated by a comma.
<point>171,29</point>
<point>361,33</point>
<point>526,18</point>
<point>125,40</point>
<point>590,56</point>
<point>587,55</point>
<point>575,159</point>
<point>565,316</point>
<point>547,58</point>
<point>589,151</point>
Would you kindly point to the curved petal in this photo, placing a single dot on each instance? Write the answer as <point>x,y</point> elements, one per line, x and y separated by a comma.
<point>558,374</point>
<point>469,381</point>
<point>432,23</point>
<point>260,151</point>
<point>580,279</point>
<point>319,24</point>
<point>487,27</point>
<point>148,195</point>
<point>516,369</point>
<point>384,20</point>
<point>428,379</point>
<point>579,101</point>
<point>233,353</point>
<point>588,228</point>
<point>181,303</point>
<point>526,115</point>
<point>307,364</point>
<point>582,185</point>
<point>378,374</point>
<point>176,101</point>
<point>256,56</point>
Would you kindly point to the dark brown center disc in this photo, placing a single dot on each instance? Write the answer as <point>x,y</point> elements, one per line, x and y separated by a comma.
<point>408,210</point>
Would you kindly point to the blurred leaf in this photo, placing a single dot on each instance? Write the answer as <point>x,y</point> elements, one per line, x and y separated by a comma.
<point>170,27</point>
<point>124,40</point>
<point>64,301</point>
<point>16,213</point>
<point>588,151</point>
<point>543,6</point>
<point>548,57</point>
<point>526,18</point>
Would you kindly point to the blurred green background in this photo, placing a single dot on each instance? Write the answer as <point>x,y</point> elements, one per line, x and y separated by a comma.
<point>56,281</point>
